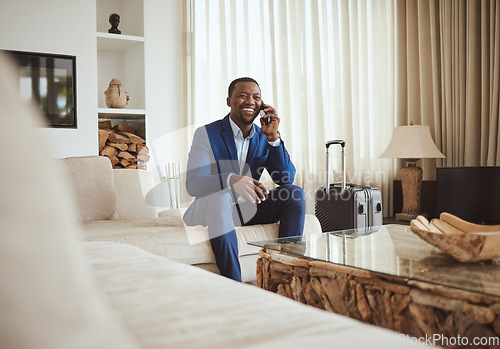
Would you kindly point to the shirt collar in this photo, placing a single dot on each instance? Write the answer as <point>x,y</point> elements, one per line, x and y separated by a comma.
<point>236,130</point>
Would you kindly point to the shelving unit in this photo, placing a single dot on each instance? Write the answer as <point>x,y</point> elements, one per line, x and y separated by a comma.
<point>113,111</point>
<point>121,56</point>
<point>117,42</point>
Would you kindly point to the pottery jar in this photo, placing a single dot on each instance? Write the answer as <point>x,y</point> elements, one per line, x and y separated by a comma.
<point>116,96</point>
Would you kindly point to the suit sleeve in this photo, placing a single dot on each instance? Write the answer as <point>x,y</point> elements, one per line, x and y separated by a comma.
<point>201,164</point>
<point>279,165</point>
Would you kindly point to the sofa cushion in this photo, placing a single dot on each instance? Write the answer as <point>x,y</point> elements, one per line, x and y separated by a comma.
<point>157,235</point>
<point>131,188</point>
<point>91,178</point>
<point>47,299</point>
<point>189,245</point>
<point>170,305</point>
<point>246,234</point>
<point>169,237</point>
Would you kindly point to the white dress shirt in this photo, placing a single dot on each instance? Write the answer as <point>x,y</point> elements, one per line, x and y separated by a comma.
<point>242,145</point>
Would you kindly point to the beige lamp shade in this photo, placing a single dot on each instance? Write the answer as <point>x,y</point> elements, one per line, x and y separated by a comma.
<point>412,142</point>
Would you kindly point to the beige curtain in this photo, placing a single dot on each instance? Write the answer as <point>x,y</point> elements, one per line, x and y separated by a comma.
<point>447,77</point>
<point>326,65</point>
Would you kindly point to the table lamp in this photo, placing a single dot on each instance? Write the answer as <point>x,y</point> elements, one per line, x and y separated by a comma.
<point>411,143</point>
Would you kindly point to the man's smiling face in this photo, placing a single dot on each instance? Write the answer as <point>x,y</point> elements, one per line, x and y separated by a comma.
<point>245,103</point>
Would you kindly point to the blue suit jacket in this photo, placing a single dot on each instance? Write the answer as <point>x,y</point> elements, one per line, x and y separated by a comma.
<point>213,157</point>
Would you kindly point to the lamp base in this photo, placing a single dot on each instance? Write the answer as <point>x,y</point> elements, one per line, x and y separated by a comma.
<point>405,217</point>
<point>411,181</point>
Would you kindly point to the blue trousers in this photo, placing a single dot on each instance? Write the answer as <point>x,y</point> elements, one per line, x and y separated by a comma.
<point>285,204</point>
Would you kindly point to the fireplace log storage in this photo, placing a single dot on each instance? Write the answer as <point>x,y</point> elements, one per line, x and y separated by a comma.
<point>122,146</point>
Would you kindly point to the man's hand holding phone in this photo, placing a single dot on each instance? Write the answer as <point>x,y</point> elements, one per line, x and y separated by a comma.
<point>269,122</point>
<point>250,188</point>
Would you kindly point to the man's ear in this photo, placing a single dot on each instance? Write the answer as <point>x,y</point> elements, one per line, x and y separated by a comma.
<point>228,101</point>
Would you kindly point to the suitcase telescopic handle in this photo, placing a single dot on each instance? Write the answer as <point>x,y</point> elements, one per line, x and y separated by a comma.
<point>342,144</point>
<point>336,141</point>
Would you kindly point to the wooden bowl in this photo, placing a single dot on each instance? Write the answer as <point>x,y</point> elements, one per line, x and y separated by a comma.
<point>463,247</point>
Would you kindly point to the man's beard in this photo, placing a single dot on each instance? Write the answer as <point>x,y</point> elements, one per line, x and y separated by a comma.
<point>248,120</point>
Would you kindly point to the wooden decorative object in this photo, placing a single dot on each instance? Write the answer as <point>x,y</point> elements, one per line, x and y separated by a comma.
<point>411,181</point>
<point>411,307</point>
<point>462,240</point>
<point>116,96</point>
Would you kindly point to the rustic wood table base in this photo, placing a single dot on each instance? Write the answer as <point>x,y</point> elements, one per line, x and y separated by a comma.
<point>418,309</point>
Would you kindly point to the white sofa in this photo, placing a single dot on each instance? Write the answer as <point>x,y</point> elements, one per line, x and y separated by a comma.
<point>116,205</point>
<point>57,292</point>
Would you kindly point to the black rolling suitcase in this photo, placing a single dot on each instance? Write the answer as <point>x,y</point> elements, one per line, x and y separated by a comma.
<point>346,205</point>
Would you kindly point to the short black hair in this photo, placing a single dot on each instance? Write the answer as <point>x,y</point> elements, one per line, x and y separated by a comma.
<point>234,82</point>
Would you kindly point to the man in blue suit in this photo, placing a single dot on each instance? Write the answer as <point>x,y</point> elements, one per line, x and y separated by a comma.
<point>226,160</point>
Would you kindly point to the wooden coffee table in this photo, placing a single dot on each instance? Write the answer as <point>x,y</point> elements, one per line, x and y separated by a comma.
<point>389,278</point>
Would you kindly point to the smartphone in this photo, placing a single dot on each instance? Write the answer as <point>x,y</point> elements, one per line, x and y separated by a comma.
<point>267,119</point>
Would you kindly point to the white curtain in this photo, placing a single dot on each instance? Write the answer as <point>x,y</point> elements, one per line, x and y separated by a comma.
<point>326,66</point>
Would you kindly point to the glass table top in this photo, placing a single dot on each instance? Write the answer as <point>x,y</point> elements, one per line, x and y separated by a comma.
<point>393,250</point>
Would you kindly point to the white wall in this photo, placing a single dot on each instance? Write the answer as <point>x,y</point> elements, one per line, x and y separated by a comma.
<point>164,66</point>
<point>64,27</point>
<point>69,27</point>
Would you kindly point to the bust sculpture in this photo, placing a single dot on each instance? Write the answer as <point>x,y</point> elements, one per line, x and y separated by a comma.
<point>114,20</point>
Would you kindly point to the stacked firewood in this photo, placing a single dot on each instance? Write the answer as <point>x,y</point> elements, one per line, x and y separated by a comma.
<point>122,146</point>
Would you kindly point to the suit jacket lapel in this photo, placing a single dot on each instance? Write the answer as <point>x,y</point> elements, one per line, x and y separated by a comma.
<point>228,137</point>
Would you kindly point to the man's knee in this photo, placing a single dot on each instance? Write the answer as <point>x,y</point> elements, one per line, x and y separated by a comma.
<point>220,202</point>
<point>291,193</point>
<point>227,242</point>
<point>219,214</point>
